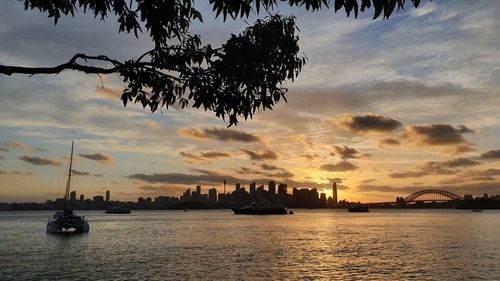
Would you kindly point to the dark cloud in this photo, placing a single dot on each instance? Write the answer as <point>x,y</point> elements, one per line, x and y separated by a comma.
<point>214,154</point>
<point>222,134</point>
<point>23,173</point>
<point>442,135</point>
<point>334,180</point>
<point>460,162</point>
<point>389,142</point>
<point>367,181</point>
<point>342,166</point>
<point>310,156</point>
<point>491,155</point>
<point>267,154</point>
<point>367,123</point>
<point>192,158</point>
<point>40,161</point>
<point>269,167</point>
<point>432,168</point>
<point>464,130</point>
<point>346,152</point>
<point>4,149</point>
<point>79,173</point>
<point>105,159</point>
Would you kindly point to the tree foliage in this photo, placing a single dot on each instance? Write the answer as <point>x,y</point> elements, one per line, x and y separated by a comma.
<point>244,75</point>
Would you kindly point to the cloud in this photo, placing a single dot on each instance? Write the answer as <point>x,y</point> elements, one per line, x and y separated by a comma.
<point>4,149</point>
<point>346,152</point>
<point>102,158</point>
<point>214,154</point>
<point>460,189</point>
<point>206,177</point>
<point>221,134</point>
<point>491,155</point>
<point>79,173</point>
<point>192,158</point>
<point>13,145</point>
<point>310,156</point>
<point>2,172</point>
<point>267,154</point>
<point>441,135</point>
<point>460,162</point>
<point>269,167</point>
<point>342,166</point>
<point>40,161</point>
<point>368,123</point>
<point>464,130</point>
<point>389,142</point>
<point>437,168</point>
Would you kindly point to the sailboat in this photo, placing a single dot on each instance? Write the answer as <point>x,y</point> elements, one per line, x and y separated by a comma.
<point>65,220</point>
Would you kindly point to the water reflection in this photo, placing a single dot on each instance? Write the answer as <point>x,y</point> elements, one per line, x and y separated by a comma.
<point>310,245</point>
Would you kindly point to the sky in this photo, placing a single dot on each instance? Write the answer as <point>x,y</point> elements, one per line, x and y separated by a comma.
<point>384,108</point>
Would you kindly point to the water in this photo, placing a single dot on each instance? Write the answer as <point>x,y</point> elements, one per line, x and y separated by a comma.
<point>216,245</point>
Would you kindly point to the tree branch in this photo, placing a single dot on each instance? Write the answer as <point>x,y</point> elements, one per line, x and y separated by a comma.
<point>70,65</point>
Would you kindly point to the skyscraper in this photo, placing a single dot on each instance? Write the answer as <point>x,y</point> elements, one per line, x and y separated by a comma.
<point>212,195</point>
<point>282,188</point>
<point>334,194</point>
<point>107,196</point>
<point>238,186</point>
<point>272,188</point>
<point>72,196</point>
<point>198,189</point>
<point>252,189</point>
<point>82,197</point>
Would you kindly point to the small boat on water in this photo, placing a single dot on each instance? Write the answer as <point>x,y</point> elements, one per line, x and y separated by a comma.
<point>66,220</point>
<point>358,209</point>
<point>261,209</point>
<point>477,210</point>
<point>118,210</point>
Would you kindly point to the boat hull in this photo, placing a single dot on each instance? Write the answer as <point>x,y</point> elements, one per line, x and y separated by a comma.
<point>238,211</point>
<point>62,227</point>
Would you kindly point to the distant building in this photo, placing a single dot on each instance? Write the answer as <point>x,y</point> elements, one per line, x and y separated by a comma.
<point>282,188</point>
<point>98,199</point>
<point>212,195</point>
<point>238,187</point>
<point>334,194</point>
<point>198,189</point>
<point>82,198</point>
<point>272,187</point>
<point>107,196</point>
<point>72,195</point>
<point>252,189</point>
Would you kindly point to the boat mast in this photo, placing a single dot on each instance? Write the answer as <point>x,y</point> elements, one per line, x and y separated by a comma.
<point>68,183</point>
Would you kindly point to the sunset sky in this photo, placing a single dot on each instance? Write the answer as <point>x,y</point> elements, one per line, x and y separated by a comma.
<point>384,108</point>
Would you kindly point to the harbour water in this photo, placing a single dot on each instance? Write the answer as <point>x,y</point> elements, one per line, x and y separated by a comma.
<point>217,245</point>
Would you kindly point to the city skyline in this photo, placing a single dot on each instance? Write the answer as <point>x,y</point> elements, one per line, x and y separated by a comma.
<point>380,124</point>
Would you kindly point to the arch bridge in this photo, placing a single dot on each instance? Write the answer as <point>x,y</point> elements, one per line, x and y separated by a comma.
<point>432,195</point>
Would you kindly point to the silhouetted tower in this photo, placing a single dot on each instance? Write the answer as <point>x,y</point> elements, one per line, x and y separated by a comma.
<point>272,187</point>
<point>108,195</point>
<point>212,195</point>
<point>252,189</point>
<point>82,197</point>
<point>238,187</point>
<point>282,188</point>
<point>224,187</point>
<point>334,194</point>
<point>198,189</point>
<point>72,196</point>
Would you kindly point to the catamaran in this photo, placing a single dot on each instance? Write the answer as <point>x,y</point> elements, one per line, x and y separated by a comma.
<point>65,220</point>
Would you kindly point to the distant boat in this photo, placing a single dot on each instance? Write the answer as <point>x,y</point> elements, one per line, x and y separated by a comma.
<point>477,210</point>
<point>261,209</point>
<point>358,209</point>
<point>66,220</point>
<point>118,210</point>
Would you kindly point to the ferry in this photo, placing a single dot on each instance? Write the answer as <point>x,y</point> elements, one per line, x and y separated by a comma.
<point>261,209</point>
<point>358,209</point>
